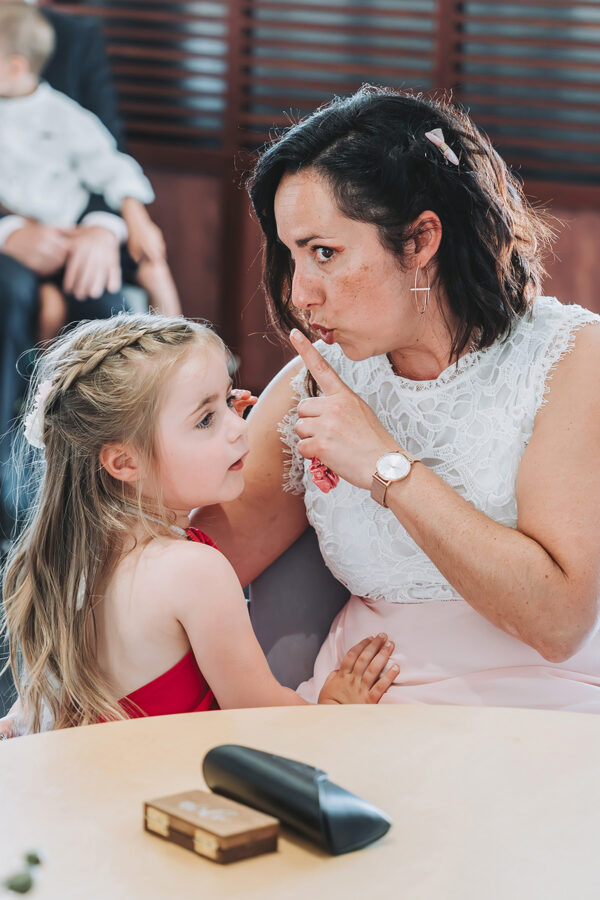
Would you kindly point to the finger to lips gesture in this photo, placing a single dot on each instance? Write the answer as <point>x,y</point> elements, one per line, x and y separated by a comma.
<point>338,427</point>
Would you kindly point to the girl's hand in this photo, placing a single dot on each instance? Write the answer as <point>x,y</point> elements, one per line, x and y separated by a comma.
<point>360,677</point>
<point>338,427</point>
<point>242,400</point>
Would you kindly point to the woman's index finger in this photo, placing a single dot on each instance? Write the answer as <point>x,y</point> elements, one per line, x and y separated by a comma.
<point>326,377</point>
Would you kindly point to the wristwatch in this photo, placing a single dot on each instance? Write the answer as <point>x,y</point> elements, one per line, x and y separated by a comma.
<point>390,467</point>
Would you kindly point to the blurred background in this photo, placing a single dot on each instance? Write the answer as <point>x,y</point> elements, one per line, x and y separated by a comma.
<point>203,84</point>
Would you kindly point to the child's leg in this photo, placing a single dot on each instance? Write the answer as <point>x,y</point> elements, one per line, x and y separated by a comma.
<point>53,311</point>
<point>157,281</point>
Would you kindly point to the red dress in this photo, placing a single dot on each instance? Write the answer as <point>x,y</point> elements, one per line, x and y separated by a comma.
<point>182,688</point>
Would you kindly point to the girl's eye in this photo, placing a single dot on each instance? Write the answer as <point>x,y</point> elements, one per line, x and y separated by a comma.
<point>324,254</point>
<point>206,421</point>
<point>231,401</point>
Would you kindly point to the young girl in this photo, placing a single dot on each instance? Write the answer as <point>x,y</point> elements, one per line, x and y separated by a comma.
<point>114,607</point>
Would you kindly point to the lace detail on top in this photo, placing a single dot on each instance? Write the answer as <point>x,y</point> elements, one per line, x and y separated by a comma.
<point>470,425</point>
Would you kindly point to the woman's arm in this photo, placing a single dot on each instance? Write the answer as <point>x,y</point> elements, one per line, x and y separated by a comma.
<point>210,606</point>
<point>539,582</point>
<point>255,529</point>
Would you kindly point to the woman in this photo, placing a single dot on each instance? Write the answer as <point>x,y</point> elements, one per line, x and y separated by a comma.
<point>396,234</point>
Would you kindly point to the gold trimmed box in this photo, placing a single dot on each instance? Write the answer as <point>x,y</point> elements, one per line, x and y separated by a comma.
<point>211,825</point>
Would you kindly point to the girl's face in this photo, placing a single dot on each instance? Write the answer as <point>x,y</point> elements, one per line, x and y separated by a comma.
<point>201,440</point>
<point>351,287</point>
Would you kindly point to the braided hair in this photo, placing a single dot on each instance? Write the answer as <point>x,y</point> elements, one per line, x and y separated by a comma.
<point>373,152</point>
<point>106,380</point>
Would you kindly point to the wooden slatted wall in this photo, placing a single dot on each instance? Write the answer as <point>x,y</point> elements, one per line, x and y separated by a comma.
<point>198,81</point>
<point>295,55</point>
<point>530,74</point>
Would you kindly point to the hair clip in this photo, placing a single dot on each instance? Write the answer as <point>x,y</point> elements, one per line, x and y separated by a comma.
<point>34,423</point>
<point>437,139</point>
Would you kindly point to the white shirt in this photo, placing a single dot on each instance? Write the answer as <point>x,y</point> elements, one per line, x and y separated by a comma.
<point>54,154</point>
<point>470,425</point>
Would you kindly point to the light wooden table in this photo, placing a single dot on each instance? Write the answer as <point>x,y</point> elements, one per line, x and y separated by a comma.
<point>487,804</point>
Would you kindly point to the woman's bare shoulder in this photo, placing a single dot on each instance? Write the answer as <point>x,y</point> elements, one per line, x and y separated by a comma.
<point>573,378</point>
<point>278,398</point>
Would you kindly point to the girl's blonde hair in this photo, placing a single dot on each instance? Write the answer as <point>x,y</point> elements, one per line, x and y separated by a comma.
<point>107,380</point>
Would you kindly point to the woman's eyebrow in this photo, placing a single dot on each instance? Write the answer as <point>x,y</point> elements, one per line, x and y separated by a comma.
<point>302,242</point>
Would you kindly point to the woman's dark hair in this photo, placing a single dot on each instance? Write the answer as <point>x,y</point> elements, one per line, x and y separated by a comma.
<point>372,150</point>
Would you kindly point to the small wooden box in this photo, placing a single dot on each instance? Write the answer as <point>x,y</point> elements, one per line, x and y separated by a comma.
<point>211,825</point>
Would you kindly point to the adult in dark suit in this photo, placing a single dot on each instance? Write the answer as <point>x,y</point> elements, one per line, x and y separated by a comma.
<point>79,67</point>
<point>88,253</point>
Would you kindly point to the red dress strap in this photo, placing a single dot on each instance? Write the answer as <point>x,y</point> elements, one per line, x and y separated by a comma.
<point>194,534</point>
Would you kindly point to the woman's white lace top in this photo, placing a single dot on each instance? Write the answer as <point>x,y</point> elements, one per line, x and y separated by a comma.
<point>470,425</point>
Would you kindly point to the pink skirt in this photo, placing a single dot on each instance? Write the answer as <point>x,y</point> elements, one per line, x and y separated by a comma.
<point>449,654</point>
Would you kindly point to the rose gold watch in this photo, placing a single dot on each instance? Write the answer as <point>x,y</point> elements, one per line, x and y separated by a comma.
<point>391,467</point>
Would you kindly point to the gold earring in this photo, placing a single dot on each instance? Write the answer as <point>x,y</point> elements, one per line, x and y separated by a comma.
<point>415,289</point>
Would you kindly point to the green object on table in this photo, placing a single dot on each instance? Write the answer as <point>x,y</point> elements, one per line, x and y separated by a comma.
<point>20,883</point>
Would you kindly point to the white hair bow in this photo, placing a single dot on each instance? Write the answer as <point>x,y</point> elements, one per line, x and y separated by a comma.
<point>34,423</point>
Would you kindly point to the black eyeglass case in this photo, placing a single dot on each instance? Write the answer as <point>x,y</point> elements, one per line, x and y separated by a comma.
<point>299,795</point>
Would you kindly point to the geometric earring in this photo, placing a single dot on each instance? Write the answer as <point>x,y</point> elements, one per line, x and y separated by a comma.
<point>427,289</point>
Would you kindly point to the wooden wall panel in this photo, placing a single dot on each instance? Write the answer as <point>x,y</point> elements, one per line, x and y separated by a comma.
<point>262,352</point>
<point>188,210</point>
<point>574,273</point>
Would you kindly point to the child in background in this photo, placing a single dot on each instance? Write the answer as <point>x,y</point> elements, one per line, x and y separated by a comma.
<point>54,154</point>
<point>114,606</point>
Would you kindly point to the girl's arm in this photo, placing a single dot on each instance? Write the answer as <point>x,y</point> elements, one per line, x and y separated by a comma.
<point>255,529</point>
<point>210,606</point>
<point>538,582</point>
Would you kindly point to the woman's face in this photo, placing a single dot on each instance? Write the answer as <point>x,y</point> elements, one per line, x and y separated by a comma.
<point>350,286</point>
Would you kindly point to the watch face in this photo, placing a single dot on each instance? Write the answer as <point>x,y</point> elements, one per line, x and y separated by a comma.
<point>393,466</point>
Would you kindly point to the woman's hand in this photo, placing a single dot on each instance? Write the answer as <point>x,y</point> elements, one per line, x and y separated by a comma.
<point>360,677</point>
<point>338,427</point>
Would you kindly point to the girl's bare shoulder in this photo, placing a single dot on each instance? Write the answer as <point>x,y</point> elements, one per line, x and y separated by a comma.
<point>183,568</point>
<point>172,555</point>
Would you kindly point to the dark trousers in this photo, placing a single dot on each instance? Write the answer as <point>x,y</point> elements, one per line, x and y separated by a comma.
<point>19,305</point>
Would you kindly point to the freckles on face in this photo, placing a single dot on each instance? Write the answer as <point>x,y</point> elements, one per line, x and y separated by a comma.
<point>358,296</point>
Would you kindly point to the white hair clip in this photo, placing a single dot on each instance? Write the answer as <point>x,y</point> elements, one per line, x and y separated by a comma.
<point>34,423</point>
<point>437,139</point>
<point>81,592</point>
